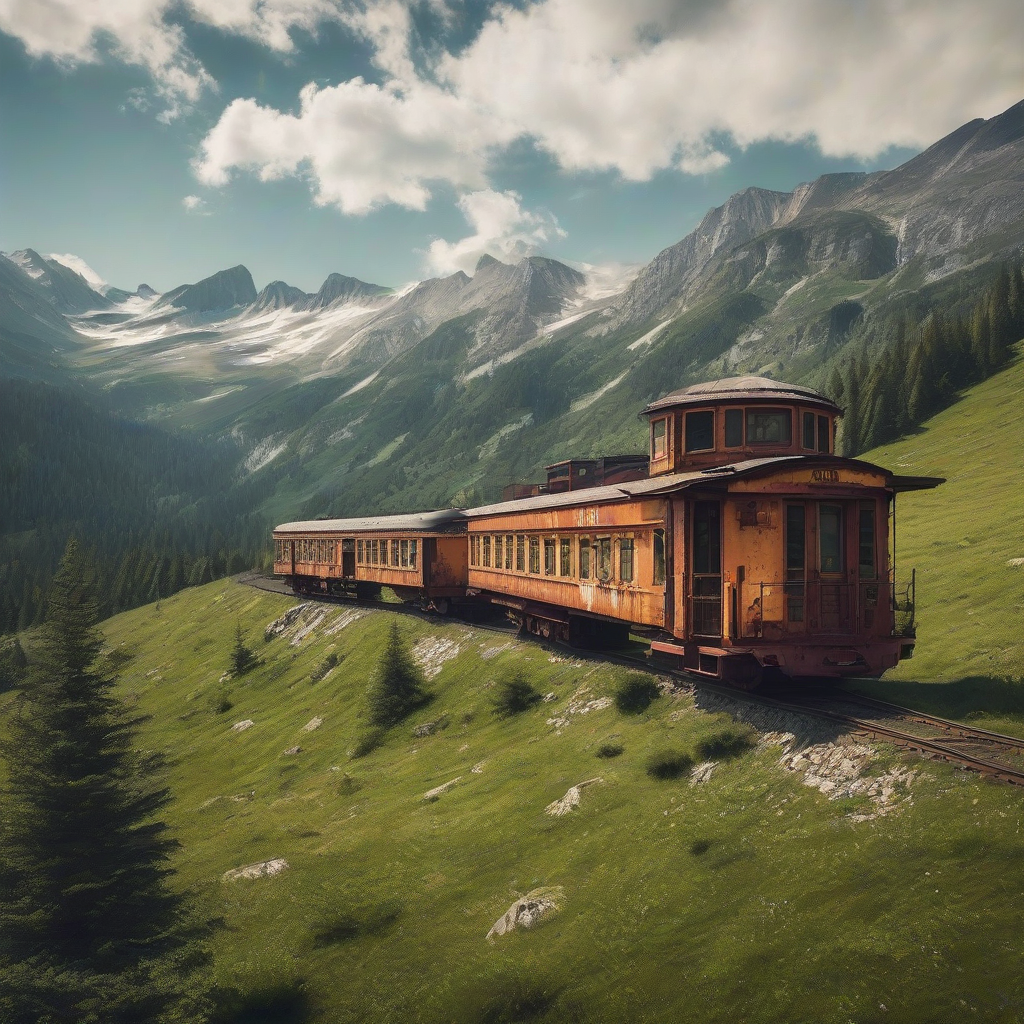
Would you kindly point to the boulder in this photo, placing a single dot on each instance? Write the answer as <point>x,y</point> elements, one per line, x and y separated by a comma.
<point>528,911</point>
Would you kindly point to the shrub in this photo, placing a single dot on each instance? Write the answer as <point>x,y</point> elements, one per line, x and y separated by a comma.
<point>398,689</point>
<point>222,704</point>
<point>369,741</point>
<point>669,764</point>
<point>324,667</point>
<point>514,694</point>
<point>610,750</point>
<point>635,692</point>
<point>729,741</point>
<point>242,657</point>
<point>700,846</point>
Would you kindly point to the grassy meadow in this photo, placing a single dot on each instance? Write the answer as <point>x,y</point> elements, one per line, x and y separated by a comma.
<point>750,897</point>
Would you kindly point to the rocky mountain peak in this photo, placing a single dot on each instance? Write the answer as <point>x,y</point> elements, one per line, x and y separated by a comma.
<point>279,295</point>
<point>226,288</point>
<point>340,289</point>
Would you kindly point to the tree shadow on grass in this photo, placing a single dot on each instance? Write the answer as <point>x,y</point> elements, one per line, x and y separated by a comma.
<point>347,926</point>
<point>971,697</point>
<point>282,1003</point>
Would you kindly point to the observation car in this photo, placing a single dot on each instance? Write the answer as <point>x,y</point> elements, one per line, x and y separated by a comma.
<point>748,547</point>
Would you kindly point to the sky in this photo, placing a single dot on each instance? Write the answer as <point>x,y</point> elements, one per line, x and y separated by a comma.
<point>392,140</point>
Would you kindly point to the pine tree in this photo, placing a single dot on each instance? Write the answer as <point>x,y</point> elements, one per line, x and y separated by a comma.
<point>242,657</point>
<point>90,930</point>
<point>398,688</point>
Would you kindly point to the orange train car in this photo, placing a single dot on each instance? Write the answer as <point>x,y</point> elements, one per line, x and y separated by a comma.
<point>749,548</point>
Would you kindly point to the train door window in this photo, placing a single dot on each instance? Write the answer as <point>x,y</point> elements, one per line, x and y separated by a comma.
<point>474,550</point>
<point>487,552</point>
<point>509,541</point>
<point>626,559</point>
<point>359,552</point>
<point>807,441</point>
<point>412,554</point>
<point>499,554</point>
<point>769,426</point>
<point>796,537</point>
<point>604,559</point>
<point>405,554</point>
<point>706,592</point>
<point>700,431</point>
<point>830,536</point>
<point>394,553</point>
<point>659,557</point>
<point>866,540</point>
<point>659,439</point>
<point>565,557</point>
<point>823,445</point>
<point>733,428</point>
<point>585,552</point>
<point>371,555</point>
<point>549,556</point>
<point>535,554</point>
<point>520,553</point>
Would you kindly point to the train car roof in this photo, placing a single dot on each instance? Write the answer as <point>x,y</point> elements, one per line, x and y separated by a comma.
<point>748,388</point>
<point>442,521</point>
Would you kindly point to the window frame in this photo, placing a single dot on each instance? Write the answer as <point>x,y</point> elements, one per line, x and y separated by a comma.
<point>655,437</point>
<point>550,556</point>
<point>534,555</point>
<point>686,430</point>
<point>781,411</point>
<point>565,561</point>
<point>520,552</point>
<point>586,559</point>
<point>626,545</point>
<point>605,559</point>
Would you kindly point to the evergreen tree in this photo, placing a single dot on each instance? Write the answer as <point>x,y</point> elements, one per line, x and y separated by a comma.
<point>242,657</point>
<point>90,930</point>
<point>398,688</point>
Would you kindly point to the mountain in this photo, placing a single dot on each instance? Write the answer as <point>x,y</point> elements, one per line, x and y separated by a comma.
<point>223,290</point>
<point>66,290</point>
<point>279,295</point>
<point>339,289</point>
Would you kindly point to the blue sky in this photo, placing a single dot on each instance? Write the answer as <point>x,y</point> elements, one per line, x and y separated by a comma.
<point>390,141</point>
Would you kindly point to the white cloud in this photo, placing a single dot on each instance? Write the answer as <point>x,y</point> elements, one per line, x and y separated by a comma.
<point>75,31</point>
<point>79,266</point>
<point>501,228</point>
<point>193,203</point>
<point>632,88</point>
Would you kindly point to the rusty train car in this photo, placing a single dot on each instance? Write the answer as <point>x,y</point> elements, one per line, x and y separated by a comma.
<point>747,548</point>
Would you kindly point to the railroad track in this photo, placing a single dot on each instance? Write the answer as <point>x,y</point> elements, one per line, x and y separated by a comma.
<point>953,742</point>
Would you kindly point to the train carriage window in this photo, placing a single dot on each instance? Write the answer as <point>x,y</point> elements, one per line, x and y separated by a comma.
<point>807,440</point>
<point>405,554</point>
<point>700,431</point>
<point>823,432</point>
<point>866,538</point>
<point>830,536</point>
<point>487,552</point>
<point>359,552</point>
<point>565,556</point>
<point>585,551</point>
<point>520,553</point>
<point>394,553</point>
<point>509,541</point>
<point>604,559</point>
<point>549,556</point>
<point>474,550</point>
<point>659,439</point>
<point>733,428</point>
<point>659,557</point>
<point>499,554</point>
<point>769,426</point>
<point>412,553</point>
<point>626,559</point>
<point>534,554</point>
<point>796,535</point>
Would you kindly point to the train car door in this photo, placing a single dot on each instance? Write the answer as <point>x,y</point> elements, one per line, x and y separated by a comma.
<point>348,559</point>
<point>706,570</point>
<point>834,596</point>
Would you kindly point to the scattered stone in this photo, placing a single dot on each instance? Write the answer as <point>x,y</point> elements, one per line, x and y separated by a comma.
<point>556,659</point>
<point>286,621</point>
<point>313,723</point>
<point>265,869</point>
<point>345,618</point>
<point>242,726</point>
<point>579,704</point>
<point>478,768</point>
<point>432,652</point>
<point>489,652</point>
<point>308,626</point>
<point>463,748</point>
<point>549,697</point>
<point>701,774</point>
<point>571,800</point>
<point>1015,563</point>
<point>434,794</point>
<point>429,728</point>
<point>294,750</point>
<point>528,911</point>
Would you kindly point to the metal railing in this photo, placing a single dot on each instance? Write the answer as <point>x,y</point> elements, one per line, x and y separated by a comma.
<point>775,608</point>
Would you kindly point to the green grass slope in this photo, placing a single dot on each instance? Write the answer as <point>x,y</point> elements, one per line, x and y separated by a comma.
<point>750,897</point>
<point>964,537</point>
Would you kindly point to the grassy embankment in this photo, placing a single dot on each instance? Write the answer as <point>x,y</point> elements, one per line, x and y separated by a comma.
<point>751,897</point>
<point>966,539</point>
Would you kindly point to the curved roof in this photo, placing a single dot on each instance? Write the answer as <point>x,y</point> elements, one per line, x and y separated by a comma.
<point>742,389</point>
<point>442,521</point>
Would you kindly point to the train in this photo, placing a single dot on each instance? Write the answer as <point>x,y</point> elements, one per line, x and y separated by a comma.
<point>742,548</point>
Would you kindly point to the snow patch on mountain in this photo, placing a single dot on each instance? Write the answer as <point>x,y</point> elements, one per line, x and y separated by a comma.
<point>265,452</point>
